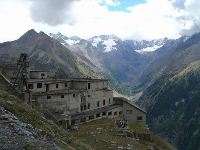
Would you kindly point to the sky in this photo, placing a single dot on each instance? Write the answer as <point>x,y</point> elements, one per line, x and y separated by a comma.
<point>127,19</point>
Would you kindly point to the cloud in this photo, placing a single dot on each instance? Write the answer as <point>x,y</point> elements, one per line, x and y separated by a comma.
<point>111,2</point>
<point>86,18</point>
<point>52,12</point>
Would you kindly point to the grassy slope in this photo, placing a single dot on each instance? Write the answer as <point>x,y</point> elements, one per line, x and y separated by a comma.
<point>107,138</point>
<point>26,114</point>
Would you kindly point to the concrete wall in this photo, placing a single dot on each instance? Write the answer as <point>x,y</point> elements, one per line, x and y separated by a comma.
<point>35,87</point>
<point>133,114</point>
<point>60,86</point>
<point>38,74</point>
<point>94,97</point>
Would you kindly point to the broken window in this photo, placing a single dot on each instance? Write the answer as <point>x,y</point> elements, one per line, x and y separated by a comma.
<point>109,101</point>
<point>88,85</point>
<point>65,84</point>
<point>74,95</point>
<point>120,113</point>
<point>115,113</point>
<point>62,96</point>
<point>88,105</point>
<point>91,117</point>
<point>56,85</point>
<point>39,85</point>
<point>139,118</point>
<point>97,103</point>
<point>48,97</point>
<point>98,115</point>
<point>104,102</point>
<point>104,113</point>
<point>30,86</point>
<point>85,107</point>
<point>110,113</point>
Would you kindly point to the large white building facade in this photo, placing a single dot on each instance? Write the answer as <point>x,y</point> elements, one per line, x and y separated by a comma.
<point>78,100</point>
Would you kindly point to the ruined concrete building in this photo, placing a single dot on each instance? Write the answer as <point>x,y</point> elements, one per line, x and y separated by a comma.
<point>77,100</point>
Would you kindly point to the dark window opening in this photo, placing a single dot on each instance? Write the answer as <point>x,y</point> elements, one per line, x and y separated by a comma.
<point>97,103</point>
<point>109,101</point>
<point>30,86</point>
<point>56,85</point>
<point>104,113</point>
<point>88,95</point>
<point>120,112</point>
<point>42,75</point>
<point>88,105</point>
<point>88,85</point>
<point>39,85</point>
<point>85,107</point>
<point>48,97</point>
<point>98,115</point>
<point>91,117</point>
<point>104,102</point>
<point>81,108</point>
<point>65,84</point>
<point>115,113</point>
<point>74,95</point>
<point>139,118</point>
<point>110,113</point>
<point>62,96</point>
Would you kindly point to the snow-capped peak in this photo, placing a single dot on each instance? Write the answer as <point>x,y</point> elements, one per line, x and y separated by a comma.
<point>105,42</point>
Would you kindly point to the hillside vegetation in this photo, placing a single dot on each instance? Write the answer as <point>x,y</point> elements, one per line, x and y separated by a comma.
<point>173,107</point>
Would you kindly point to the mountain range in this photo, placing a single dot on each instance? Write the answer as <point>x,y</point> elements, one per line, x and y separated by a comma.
<point>163,73</point>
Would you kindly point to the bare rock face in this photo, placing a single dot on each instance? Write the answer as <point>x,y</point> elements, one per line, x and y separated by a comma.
<point>15,134</point>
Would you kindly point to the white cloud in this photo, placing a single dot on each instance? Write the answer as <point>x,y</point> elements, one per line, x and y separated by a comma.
<point>150,20</point>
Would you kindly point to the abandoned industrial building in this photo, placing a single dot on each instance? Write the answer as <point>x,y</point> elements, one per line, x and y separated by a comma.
<point>77,100</point>
<point>73,100</point>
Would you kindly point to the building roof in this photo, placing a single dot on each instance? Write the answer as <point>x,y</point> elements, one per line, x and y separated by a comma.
<point>129,102</point>
<point>52,80</point>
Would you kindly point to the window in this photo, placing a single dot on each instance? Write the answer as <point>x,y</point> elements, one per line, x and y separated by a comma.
<point>48,97</point>
<point>129,111</point>
<point>39,85</point>
<point>65,84</point>
<point>109,101</point>
<point>139,118</point>
<point>97,103</point>
<point>85,107</point>
<point>56,85</point>
<point>62,96</point>
<point>104,113</point>
<point>120,113</point>
<point>42,75</point>
<point>98,115</point>
<point>115,113</point>
<point>88,95</point>
<point>110,113</point>
<point>30,86</point>
<point>81,108</point>
<point>91,117</point>
<point>88,105</point>
<point>88,85</point>
<point>74,95</point>
<point>104,102</point>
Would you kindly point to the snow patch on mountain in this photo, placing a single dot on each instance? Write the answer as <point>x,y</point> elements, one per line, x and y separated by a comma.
<point>72,42</point>
<point>149,49</point>
<point>96,41</point>
<point>109,45</point>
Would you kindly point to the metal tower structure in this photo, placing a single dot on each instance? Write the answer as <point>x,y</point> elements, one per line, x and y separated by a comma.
<point>20,75</point>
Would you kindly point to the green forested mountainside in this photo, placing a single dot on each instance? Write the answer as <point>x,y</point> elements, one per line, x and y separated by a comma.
<point>173,105</point>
